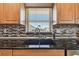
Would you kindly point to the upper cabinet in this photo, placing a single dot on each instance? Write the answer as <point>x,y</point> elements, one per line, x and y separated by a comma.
<point>1,12</point>
<point>66,13</point>
<point>77,13</point>
<point>10,13</point>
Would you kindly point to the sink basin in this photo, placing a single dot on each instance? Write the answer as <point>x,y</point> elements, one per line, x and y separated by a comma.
<point>32,42</point>
<point>40,42</point>
<point>47,42</point>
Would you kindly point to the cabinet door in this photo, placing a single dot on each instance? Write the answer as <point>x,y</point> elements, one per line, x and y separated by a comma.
<point>65,13</point>
<point>5,52</point>
<point>77,13</point>
<point>1,13</point>
<point>11,13</point>
<point>39,52</point>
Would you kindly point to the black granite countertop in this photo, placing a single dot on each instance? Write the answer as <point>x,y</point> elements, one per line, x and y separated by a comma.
<point>33,48</point>
<point>20,44</point>
<point>23,48</point>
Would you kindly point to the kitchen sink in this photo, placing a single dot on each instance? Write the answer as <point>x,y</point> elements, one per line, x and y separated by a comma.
<point>31,43</point>
<point>40,43</point>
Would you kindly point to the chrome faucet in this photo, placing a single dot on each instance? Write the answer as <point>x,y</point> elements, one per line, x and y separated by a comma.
<point>38,30</point>
<point>54,34</point>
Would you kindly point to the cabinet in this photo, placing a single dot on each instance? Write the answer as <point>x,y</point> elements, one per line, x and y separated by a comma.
<point>31,52</point>
<point>66,13</point>
<point>77,13</point>
<point>38,52</point>
<point>5,52</point>
<point>1,12</point>
<point>10,13</point>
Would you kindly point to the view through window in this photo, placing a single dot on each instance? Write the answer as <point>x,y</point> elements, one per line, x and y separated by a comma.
<point>38,18</point>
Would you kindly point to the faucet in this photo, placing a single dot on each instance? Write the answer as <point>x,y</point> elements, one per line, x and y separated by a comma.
<point>38,30</point>
<point>54,32</point>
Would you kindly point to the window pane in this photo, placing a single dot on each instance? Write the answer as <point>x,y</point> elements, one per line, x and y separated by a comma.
<point>44,26</point>
<point>38,16</point>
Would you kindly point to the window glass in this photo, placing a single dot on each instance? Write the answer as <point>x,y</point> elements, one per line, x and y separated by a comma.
<point>38,18</point>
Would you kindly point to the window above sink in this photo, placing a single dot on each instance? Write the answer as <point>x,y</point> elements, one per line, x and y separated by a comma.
<point>38,18</point>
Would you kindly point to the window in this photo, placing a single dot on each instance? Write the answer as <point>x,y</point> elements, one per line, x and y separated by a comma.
<point>38,18</point>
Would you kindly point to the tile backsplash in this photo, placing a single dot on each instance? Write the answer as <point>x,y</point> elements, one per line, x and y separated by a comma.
<point>11,30</point>
<point>15,30</point>
<point>68,30</point>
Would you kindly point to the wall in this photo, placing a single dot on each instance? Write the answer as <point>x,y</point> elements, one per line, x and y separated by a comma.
<point>54,14</point>
<point>38,5</point>
<point>22,15</point>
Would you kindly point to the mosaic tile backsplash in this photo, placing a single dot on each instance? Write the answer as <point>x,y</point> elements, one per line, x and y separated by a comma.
<point>16,30</point>
<point>12,30</point>
<point>67,30</point>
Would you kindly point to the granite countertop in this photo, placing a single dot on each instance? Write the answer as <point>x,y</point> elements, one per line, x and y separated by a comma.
<point>56,48</point>
<point>22,37</point>
<point>38,37</point>
<point>30,48</point>
<point>23,44</point>
<point>40,48</point>
<point>69,45</point>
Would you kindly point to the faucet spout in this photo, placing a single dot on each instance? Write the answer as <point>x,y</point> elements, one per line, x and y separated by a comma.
<point>38,30</point>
